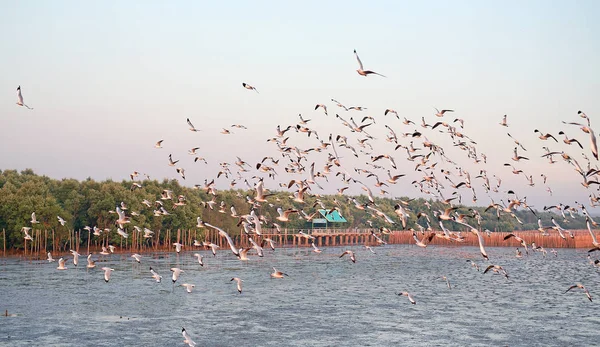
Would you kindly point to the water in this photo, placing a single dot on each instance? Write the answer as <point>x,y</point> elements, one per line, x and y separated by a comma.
<point>325,301</point>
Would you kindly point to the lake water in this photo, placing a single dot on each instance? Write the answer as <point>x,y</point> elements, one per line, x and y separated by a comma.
<point>325,301</point>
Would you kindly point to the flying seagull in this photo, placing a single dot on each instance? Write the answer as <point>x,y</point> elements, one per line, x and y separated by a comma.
<point>20,99</point>
<point>361,70</point>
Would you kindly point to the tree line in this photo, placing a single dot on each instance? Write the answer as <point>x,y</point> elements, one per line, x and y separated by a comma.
<point>92,203</point>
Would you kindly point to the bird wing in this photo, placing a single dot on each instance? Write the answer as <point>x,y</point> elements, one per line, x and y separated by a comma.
<point>355,54</point>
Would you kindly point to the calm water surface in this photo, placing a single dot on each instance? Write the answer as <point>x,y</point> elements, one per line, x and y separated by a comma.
<point>325,301</point>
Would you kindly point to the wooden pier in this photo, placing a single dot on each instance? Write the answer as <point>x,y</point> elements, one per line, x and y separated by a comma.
<point>46,241</point>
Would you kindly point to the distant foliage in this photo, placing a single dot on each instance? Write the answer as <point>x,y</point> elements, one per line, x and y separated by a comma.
<point>87,203</point>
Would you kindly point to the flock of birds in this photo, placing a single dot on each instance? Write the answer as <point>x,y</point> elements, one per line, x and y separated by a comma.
<point>439,176</point>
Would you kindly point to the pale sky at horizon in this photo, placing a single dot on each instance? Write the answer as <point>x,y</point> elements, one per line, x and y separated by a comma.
<point>107,79</point>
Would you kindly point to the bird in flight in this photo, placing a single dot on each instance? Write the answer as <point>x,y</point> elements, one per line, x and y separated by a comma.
<point>20,99</point>
<point>361,71</point>
<point>579,285</point>
<point>249,87</point>
<point>192,128</point>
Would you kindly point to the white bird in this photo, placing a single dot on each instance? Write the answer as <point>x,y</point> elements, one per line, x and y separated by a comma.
<point>107,272</point>
<point>33,219</point>
<point>421,243</point>
<point>370,249</point>
<point>579,285</point>
<point>90,263</point>
<point>213,247</point>
<point>75,257</point>
<point>315,248</point>
<point>187,339</point>
<point>409,296</point>
<point>158,144</point>
<point>239,283</point>
<point>277,274</point>
<point>199,257</point>
<point>61,221</point>
<point>284,215</point>
<point>249,87</point>
<point>361,70</point>
<point>177,247</point>
<point>26,231</point>
<point>257,247</point>
<point>351,254</point>
<point>222,232</point>
<point>50,259</point>
<point>188,287</point>
<point>441,113</point>
<point>137,257</point>
<point>61,264</point>
<point>176,272</point>
<point>192,128</point>
<point>111,248</point>
<point>156,276</point>
<point>122,233</point>
<point>20,98</point>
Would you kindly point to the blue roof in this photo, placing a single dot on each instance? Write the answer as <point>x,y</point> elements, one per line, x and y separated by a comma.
<point>332,216</point>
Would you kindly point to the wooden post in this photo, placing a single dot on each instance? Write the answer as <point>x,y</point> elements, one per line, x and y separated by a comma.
<point>4,238</point>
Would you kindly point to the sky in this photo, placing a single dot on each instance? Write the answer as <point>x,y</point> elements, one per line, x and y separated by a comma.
<point>107,79</point>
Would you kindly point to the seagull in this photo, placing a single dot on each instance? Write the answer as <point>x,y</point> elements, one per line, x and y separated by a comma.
<point>474,264</point>
<point>545,136</point>
<point>503,122</point>
<point>26,231</point>
<point>370,249</point>
<point>389,110</point>
<point>33,219</point>
<point>107,272</point>
<point>323,107</point>
<point>176,272</point>
<point>361,70</point>
<point>156,276</point>
<point>158,144</point>
<point>222,232</point>
<point>447,282</point>
<point>75,257</point>
<point>351,254</point>
<point>199,257</point>
<point>192,128</point>
<point>409,296</point>
<point>188,287</point>
<point>187,339</point>
<point>315,248</point>
<point>20,98</point>
<point>239,284</point>
<point>269,241</point>
<point>90,263</point>
<point>177,247</point>
<point>61,264</point>
<point>579,285</point>
<point>421,243</point>
<point>497,269</point>
<point>284,215</point>
<point>213,247</point>
<point>277,274</point>
<point>137,257</point>
<point>441,113</point>
<point>50,259</point>
<point>61,221</point>
<point>249,87</point>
